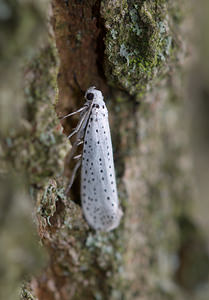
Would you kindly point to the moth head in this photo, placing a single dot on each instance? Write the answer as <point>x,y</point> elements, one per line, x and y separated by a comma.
<point>92,94</point>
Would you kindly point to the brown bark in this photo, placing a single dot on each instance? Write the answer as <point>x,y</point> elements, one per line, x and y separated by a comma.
<point>123,48</point>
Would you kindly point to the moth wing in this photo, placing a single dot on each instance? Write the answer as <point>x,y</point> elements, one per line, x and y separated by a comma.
<point>98,185</point>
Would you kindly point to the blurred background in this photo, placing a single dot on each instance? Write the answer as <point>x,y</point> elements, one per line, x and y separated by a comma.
<point>172,129</point>
<point>23,28</point>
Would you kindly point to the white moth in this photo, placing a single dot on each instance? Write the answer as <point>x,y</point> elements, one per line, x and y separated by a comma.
<point>99,196</point>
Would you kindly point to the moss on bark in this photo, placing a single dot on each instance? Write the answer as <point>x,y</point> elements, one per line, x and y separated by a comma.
<point>138,42</point>
<point>134,43</point>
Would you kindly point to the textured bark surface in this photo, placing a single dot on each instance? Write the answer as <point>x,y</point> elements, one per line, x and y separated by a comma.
<point>130,50</point>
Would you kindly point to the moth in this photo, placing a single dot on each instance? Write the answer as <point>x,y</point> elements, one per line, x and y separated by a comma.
<point>99,197</point>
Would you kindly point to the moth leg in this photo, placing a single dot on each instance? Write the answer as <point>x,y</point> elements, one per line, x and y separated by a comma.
<point>75,145</point>
<point>79,126</point>
<point>73,113</point>
<point>78,164</point>
<point>77,156</point>
<point>73,151</point>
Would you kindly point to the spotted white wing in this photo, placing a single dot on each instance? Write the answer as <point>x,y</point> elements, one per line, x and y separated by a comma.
<point>98,185</point>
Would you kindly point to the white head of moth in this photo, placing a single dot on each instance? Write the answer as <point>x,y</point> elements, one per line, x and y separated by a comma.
<point>99,196</point>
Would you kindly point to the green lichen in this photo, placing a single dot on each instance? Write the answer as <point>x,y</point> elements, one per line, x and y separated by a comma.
<point>39,142</point>
<point>26,293</point>
<point>138,42</point>
<point>49,198</point>
<point>80,254</point>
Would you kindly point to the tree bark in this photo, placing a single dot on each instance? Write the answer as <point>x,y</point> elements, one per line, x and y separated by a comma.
<point>130,51</point>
